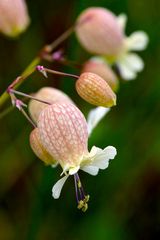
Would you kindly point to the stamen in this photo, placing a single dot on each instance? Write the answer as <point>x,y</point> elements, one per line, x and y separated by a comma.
<point>76,189</point>
<point>81,198</point>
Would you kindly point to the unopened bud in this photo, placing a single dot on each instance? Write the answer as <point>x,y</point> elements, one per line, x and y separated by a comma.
<point>101,68</point>
<point>95,90</point>
<point>48,94</point>
<point>99,32</point>
<point>38,148</point>
<point>14,17</point>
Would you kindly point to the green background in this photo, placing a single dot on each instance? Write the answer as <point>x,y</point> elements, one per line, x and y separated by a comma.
<point>125,198</point>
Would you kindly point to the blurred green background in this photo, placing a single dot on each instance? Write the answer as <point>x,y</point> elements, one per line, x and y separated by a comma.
<point>125,198</point>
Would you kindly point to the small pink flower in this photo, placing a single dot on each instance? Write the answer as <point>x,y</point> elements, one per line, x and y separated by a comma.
<point>14,17</point>
<point>63,133</point>
<point>99,32</point>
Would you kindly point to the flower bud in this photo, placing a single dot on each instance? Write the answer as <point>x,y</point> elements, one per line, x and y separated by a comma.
<point>101,68</point>
<point>14,17</point>
<point>38,148</point>
<point>95,90</point>
<point>48,94</point>
<point>63,133</point>
<point>99,32</point>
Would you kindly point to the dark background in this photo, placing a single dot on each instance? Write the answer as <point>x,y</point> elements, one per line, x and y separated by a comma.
<point>125,198</point>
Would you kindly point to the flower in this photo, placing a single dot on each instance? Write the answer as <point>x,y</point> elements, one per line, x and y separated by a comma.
<point>95,90</point>
<point>63,134</point>
<point>102,33</point>
<point>98,31</point>
<point>100,67</point>
<point>14,17</point>
<point>49,94</point>
<point>129,64</point>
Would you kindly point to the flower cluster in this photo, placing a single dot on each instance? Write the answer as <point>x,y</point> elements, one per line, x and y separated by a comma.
<point>61,137</point>
<point>61,132</point>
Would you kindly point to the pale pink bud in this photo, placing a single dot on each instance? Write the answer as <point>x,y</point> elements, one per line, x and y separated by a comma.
<point>14,17</point>
<point>95,90</point>
<point>99,32</point>
<point>38,148</point>
<point>103,70</point>
<point>48,94</point>
<point>63,133</point>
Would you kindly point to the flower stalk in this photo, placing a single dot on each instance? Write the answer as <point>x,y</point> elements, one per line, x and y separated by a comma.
<point>32,66</point>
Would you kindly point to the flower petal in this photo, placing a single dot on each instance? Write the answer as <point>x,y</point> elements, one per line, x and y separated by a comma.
<point>137,41</point>
<point>126,72</point>
<point>135,62</point>
<point>94,116</point>
<point>102,157</point>
<point>93,170</point>
<point>129,65</point>
<point>122,19</point>
<point>56,190</point>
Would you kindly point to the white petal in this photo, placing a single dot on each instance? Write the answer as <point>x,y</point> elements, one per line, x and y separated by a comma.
<point>93,170</point>
<point>102,157</point>
<point>129,64</point>
<point>135,62</point>
<point>56,190</point>
<point>94,117</point>
<point>126,72</point>
<point>122,19</point>
<point>137,41</point>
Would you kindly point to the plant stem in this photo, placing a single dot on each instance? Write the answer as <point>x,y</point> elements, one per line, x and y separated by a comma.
<point>60,73</point>
<point>31,68</point>
<point>28,71</point>
<point>29,96</point>
<point>28,118</point>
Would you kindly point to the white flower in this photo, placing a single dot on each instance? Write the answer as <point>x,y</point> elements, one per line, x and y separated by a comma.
<point>129,63</point>
<point>62,131</point>
<point>97,159</point>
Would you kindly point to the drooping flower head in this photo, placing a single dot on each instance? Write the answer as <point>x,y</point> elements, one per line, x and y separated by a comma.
<point>101,68</point>
<point>99,32</point>
<point>63,133</point>
<point>14,17</point>
<point>102,33</point>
